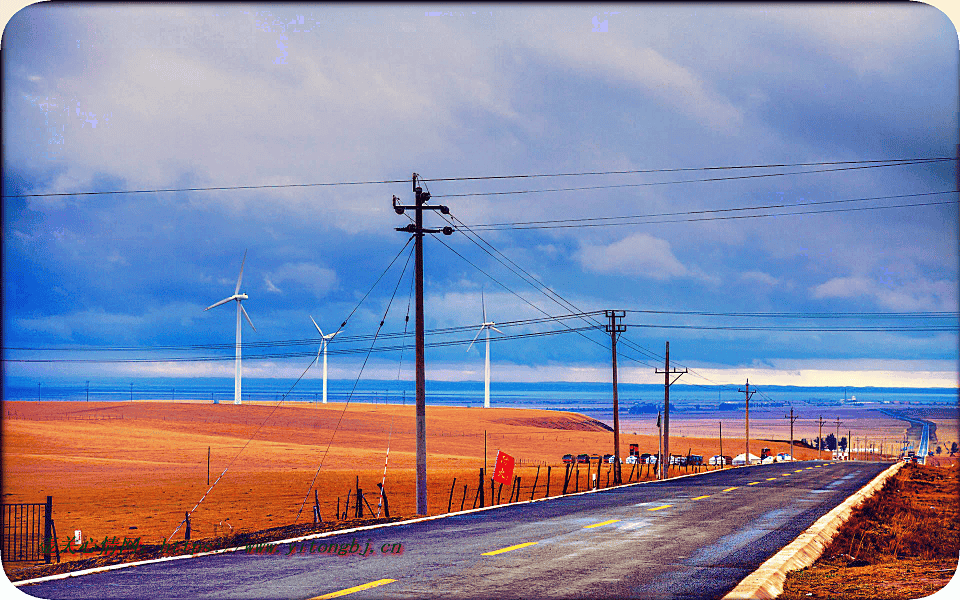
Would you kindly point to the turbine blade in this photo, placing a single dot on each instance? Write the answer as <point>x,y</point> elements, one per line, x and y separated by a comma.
<point>475,339</point>
<point>244,311</point>
<point>332,335</point>
<point>239,279</point>
<point>497,330</point>
<point>317,326</point>
<point>483,307</point>
<point>224,301</point>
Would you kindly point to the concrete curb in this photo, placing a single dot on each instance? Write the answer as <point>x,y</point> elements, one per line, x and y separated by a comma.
<point>767,581</point>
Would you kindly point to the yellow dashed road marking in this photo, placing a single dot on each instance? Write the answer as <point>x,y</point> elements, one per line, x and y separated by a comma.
<point>700,497</point>
<point>730,488</point>
<point>660,507</point>
<point>358,588</point>
<point>600,524</point>
<point>771,478</point>
<point>508,549</point>
<point>753,483</point>
<point>784,474</point>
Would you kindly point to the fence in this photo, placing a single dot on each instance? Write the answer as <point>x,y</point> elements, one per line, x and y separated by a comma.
<point>28,532</point>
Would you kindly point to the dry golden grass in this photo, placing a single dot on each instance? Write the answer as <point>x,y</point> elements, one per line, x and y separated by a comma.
<point>133,469</point>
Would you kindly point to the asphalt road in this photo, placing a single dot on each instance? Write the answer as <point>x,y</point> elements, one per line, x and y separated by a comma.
<point>693,537</point>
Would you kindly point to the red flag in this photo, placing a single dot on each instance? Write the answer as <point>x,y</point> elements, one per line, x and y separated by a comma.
<point>503,472</point>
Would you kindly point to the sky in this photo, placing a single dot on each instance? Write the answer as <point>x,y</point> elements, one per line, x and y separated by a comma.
<point>263,102</point>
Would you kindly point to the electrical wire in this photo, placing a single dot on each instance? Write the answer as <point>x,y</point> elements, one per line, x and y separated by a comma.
<point>511,225</point>
<point>866,163</point>
<point>675,182</point>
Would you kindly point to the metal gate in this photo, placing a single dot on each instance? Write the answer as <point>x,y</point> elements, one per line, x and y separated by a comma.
<point>27,532</point>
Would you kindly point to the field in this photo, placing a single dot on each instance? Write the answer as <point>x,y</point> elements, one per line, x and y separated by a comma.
<point>133,469</point>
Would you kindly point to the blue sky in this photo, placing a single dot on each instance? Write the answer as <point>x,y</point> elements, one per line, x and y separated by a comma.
<point>111,97</point>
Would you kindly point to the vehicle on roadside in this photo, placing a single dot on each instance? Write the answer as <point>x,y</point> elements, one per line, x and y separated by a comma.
<point>695,459</point>
<point>594,457</point>
<point>568,459</point>
<point>651,459</point>
<point>633,459</point>
<point>678,459</point>
<point>783,457</point>
<point>607,457</point>
<point>583,459</point>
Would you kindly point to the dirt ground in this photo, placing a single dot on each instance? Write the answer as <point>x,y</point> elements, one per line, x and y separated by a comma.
<point>133,469</point>
<point>142,464</point>
<point>901,543</point>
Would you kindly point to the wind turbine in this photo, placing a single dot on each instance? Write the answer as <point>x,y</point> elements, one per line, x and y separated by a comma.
<point>485,326</point>
<point>238,297</point>
<point>325,339</point>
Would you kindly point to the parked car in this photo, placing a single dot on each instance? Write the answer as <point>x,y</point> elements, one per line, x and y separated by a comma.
<point>595,457</point>
<point>568,459</point>
<point>633,459</point>
<point>678,459</point>
<point>583,459</point>
<point>607,458</point>
<point>652,459</point>
<point>696,459</point>
<point>644,457</point>
<point>783,457</point>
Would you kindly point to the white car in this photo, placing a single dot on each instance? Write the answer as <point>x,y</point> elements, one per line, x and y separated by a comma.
<point>783,457</point>
<point>632,460</point>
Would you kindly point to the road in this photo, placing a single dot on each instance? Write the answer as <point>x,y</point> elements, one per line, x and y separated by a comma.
<point>690,537</point>
<point>924,443</point>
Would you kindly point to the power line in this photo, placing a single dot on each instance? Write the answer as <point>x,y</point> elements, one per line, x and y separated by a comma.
<point>705,211</point>
<point>728,218</point>
<point>866,163</point>
<point>675,182</point>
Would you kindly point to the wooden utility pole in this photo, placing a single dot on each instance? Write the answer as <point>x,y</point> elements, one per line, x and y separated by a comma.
<point>747,394</point>
<point>665,458</point>
<point>613,328</point>
<point>820,440</point>
<point>792,419</point>
<point>837,439</point>
<point>721,445</point>
<point>416,228</point>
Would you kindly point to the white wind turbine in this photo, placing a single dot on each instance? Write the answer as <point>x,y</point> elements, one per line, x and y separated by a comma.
<point>325,339</point>
<point>485,326</point>
<point>238,297</point>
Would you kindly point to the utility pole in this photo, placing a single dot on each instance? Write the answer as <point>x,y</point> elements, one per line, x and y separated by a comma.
<point>88,390</point>
<point>665,466</point>
<point>747,394</point>
<point>614,327</point>
<point>721,445</point>
<point>792,419</point>
<point>416,228</point>
<point>849,447</point>
<point>837,440</point>
<point>820,440</point>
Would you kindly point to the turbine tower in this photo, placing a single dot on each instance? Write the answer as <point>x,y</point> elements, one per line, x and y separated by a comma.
<point>485,326</point>
<point>325,339</point>
<point>238,297</point>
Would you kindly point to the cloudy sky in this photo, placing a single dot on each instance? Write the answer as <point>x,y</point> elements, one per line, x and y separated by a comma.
<point>625,111</point>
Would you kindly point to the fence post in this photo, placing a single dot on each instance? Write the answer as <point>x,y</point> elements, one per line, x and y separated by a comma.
<point>186,533</point>
<point>566,478</point>
<point>386,507</point>
<point>316,508</point>
<point>450,499</point>
<point>464,499</point>
<point>536,479</point>
<point>548,482</point>
<point>47,529</point>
